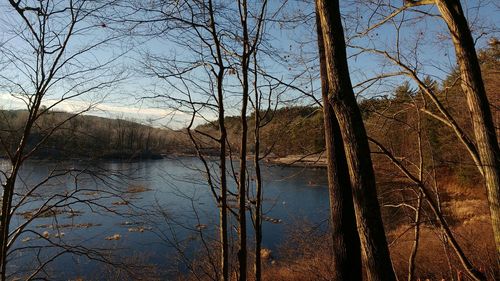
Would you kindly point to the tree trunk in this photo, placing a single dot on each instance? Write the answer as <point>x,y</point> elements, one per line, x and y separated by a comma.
<point>242,232</point>
<point>414,249</point>
<point>346,247</point>
<point>223,222</point>
<point>477,101</point>
<point>258,207</point>
<point>375,251</point>
<point>9,186</point>
<point>258,180</point>
<point>223,184</point>
<point>4,226</point>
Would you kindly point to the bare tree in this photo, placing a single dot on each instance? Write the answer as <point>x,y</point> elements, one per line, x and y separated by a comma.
<point>209,81</point>
<point>249,47</point>
<point>485,150</point>
<point>409,61</point>
<point>346,245</point>
<point>477,101</point>
<point>376,256</point>
<point>43,65</point>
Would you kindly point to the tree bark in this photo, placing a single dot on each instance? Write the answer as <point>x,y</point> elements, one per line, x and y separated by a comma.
<point>4,227</point>
<point>414,249</point>
<point>346,245</point>
<point>477,101</point>
<point>223,221</point>
<point>242,232</point>
<point>258,179</point>
<point>223,184</point>
<point>10,184</point>
<point>341,97</point>
<point>258,203</point>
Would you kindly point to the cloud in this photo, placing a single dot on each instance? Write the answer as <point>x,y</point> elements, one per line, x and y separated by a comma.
<point>154,116</point>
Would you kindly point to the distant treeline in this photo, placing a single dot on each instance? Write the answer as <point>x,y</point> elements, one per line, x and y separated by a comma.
<point>64,135</point>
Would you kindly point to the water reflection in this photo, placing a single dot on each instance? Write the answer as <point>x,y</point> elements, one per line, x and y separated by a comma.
<point>170,204</point>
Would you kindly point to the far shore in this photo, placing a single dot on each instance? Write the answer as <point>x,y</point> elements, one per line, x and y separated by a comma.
<point>313,161</point>
<point>296,160</point>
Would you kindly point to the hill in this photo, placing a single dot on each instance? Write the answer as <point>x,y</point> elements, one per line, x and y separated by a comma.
<point>64,135</point>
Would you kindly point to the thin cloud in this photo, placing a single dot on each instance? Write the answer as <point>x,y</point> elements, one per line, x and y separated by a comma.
<point>159,117</point>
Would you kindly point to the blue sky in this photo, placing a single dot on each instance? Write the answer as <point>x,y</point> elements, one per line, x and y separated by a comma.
<point>295,64</point>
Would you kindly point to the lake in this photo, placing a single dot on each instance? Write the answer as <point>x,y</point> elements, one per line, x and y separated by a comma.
<point>167,204</point>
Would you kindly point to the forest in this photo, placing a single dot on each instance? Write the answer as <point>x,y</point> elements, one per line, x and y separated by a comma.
<point>393,103</point>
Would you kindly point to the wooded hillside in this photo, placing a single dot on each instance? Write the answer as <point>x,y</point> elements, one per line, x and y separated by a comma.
<point>91,137</point>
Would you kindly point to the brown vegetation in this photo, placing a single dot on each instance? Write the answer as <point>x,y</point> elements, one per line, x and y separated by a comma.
<point>306,254</point>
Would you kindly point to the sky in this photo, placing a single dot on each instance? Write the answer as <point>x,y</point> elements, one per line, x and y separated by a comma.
<point>125,60</point>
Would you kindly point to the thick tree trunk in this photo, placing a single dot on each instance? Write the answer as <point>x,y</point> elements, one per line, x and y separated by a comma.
<point>346,247</point>
<point>375,251</point>
<point>477,101</point>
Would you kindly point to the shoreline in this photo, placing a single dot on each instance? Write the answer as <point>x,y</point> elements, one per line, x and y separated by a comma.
<point>315,161</point>
<point>303,161</point>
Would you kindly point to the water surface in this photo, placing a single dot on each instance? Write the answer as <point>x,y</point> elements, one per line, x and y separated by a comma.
<point>175,207</point>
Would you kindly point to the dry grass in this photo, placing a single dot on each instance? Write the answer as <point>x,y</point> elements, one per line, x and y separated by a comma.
<point>311,258</point>
<point>437,261</point>
<point>468,210</point>
<point>307,257</point>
